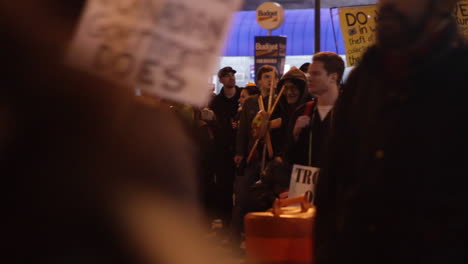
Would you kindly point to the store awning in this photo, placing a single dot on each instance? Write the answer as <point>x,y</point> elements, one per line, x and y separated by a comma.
<point>298,27</point>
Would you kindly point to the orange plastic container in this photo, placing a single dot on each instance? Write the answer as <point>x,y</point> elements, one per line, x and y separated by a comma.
<point>282,234</point>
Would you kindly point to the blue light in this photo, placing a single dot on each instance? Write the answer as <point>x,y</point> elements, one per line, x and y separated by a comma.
<point>298,27</point>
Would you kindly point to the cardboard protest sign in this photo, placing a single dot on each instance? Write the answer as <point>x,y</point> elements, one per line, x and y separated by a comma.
<point>358,26</point>
<point>461,16</point>
<point>303,181</point>
<point>165,47</point>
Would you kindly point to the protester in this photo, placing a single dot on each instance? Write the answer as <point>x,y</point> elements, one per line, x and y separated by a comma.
<point>224,105</point>
<point>304,67</point>
<point>324,80</point>
<point>249,90</point>
<point>267,77</point>
<point>394,188</point>
<point>294,94</point>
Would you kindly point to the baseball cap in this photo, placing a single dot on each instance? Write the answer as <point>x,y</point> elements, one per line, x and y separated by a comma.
<point>225,71</point>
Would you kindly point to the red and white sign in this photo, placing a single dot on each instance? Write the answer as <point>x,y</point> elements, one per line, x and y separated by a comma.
<point>270,15</point>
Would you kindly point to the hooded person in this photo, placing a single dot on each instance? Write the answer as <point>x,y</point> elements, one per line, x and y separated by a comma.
<point>294,96</point>
<point>294,82</point>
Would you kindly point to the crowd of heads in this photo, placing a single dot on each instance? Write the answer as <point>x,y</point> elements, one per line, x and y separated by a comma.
<point>325,71</point>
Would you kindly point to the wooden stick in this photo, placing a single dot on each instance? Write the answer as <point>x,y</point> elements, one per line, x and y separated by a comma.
<point>260,103</point>
<point>277,100</point>
<point>269,145</point>
<point>271,96</point>
<point>252,150</point>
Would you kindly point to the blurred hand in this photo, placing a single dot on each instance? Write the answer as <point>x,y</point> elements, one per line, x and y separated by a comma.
<point>238,160</point>
<point>207,114</point>
<point>301,122</point>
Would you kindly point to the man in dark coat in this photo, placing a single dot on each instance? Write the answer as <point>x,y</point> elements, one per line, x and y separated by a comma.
<point>225,105</point>
<point>324,81</point>
<point>394,188</point>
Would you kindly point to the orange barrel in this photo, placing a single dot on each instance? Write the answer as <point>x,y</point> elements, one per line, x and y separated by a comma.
<point>282,234</point>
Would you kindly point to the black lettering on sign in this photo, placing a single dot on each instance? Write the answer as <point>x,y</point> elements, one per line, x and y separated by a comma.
<point>315,177</point>
<point>146,74</point>
<point>363,30</point>
<point>298,179</point>
<point>196,24</point>
<point>141,9</point>
<point>170,12</point>
<point>357,41</point>
<point>96,27</point>
<point>463,9</point>
<point>172,81</point>
<point>307,177</point>
<point>350,19</point>
<point>154,73</point>
<point>353,60</point>
<point>109,61</point>
<point>362,18</point>
<point>359,17</point>
<point>103,57</point>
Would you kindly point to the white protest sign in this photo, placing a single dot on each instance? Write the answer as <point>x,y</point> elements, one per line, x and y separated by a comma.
<point>165,47</point>
<point>303,181</point>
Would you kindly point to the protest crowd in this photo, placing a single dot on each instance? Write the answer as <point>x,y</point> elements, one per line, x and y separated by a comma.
<point>98,173</point>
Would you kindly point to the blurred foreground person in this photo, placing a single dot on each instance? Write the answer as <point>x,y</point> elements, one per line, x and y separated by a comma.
<point>394,190</point>
<point>91,175</point>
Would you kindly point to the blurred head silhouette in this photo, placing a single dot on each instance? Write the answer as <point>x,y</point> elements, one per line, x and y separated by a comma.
<point>402,23</point>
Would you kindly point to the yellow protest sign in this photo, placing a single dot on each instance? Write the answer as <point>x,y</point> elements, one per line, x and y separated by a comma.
<point>358,26</point>
<point>461,16</point>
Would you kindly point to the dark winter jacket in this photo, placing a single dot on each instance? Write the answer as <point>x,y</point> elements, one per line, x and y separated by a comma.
<point>297,152</point>
<point>394,189</point>
<point>225,109</point>
<point>245,140</point>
